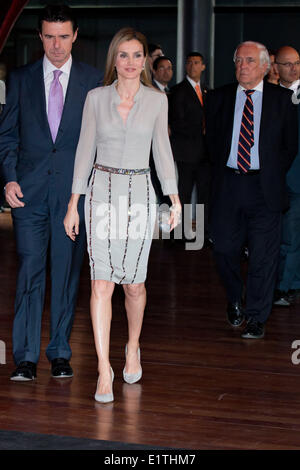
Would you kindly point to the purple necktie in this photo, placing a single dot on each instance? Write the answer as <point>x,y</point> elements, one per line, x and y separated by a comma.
<point>55,104</point>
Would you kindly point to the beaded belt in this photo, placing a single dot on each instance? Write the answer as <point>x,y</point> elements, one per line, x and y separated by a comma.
<point>122,171</point>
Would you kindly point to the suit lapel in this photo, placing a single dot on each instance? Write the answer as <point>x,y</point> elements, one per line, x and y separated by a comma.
<point>204,93</point>
<point>192,93</point>
<point>266,112</point>
<point>72,105</point>
<point>73,102</point>
<point>155,84</point>
<point>228,115</point>
<point>35,82</point>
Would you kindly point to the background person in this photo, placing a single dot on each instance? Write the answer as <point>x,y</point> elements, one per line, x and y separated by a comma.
<point>288,282</point>
<point>187,125</point>
<point>273,75</point>
<point>154,51</point>
<point>162,73</point>
<point>2,103</point>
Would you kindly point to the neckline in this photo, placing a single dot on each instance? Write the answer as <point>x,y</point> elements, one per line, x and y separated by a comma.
<point>117,97</point>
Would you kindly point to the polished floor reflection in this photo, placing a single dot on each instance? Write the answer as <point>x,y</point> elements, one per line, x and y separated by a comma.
<point>203,387</point>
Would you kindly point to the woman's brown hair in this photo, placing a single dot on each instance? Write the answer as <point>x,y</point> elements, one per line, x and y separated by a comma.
<point>125,34</point>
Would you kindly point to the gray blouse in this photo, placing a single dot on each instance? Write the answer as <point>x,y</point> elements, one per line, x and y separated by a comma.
<point>116,144</point>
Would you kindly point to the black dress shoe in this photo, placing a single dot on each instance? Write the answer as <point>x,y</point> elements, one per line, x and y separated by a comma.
<point>235,314</point>
<point>25,371</point>
<point>208,243</point>
<point>60,368</point>
<point>253,330</point>
<point>293,295</point>
<point>245,253</point>
<point>281,299</point>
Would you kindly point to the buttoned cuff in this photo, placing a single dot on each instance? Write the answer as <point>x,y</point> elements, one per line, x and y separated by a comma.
<point>169,187</point>
<point>79,186</point>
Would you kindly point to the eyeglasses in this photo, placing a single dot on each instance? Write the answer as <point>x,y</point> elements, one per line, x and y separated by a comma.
<point>289,64</point>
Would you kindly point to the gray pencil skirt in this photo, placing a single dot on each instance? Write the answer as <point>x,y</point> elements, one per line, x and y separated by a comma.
<point>120,214</point>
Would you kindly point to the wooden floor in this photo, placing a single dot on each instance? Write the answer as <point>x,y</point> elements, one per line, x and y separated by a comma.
<point>203,387</point>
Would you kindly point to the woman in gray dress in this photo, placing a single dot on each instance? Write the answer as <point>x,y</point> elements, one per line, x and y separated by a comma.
<point>120,120</point>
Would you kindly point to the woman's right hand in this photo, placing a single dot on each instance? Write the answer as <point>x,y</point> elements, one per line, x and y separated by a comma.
<point>71,223</point>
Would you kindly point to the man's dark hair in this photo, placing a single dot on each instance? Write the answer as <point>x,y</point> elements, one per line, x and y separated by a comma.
<point>152,47</point>
<point>195,54</point>
<point>57,14</point>
<point>158,60</point>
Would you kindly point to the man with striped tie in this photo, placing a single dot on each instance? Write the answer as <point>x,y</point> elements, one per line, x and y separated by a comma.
<point>252,137</point>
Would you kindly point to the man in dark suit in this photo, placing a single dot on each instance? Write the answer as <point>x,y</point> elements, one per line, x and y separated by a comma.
<point>187,124</point>
<point>162,75</point>
<point>287,64</point>
<point>39,131</point>
<point>2,102</point>
<point>253,139</point>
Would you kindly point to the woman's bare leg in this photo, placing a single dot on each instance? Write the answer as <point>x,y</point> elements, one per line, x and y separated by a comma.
<point>101,314</point>
<point>135,302</point>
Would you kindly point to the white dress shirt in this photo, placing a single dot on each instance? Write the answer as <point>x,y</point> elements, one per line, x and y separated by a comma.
<point>193,83</point>
<point>294,86</point>
<point>238,111</point>
<point>160,85</point>
<point>48,69</point>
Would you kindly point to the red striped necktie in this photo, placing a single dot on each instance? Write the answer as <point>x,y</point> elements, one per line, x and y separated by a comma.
<point>246,138</point>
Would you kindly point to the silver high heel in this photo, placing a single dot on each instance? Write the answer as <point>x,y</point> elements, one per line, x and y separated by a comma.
<point>105,397</point>
<point>132,378</point>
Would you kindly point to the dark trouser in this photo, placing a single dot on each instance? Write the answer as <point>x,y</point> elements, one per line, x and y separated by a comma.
<point>289,258</point>
<point>240,217</point>
<point>190,174</point>
<point>161,199</point>
<point>2,196</point>
<point>37,227</point>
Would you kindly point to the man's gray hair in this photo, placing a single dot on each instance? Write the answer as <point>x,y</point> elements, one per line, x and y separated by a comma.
<point>264,57</point>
